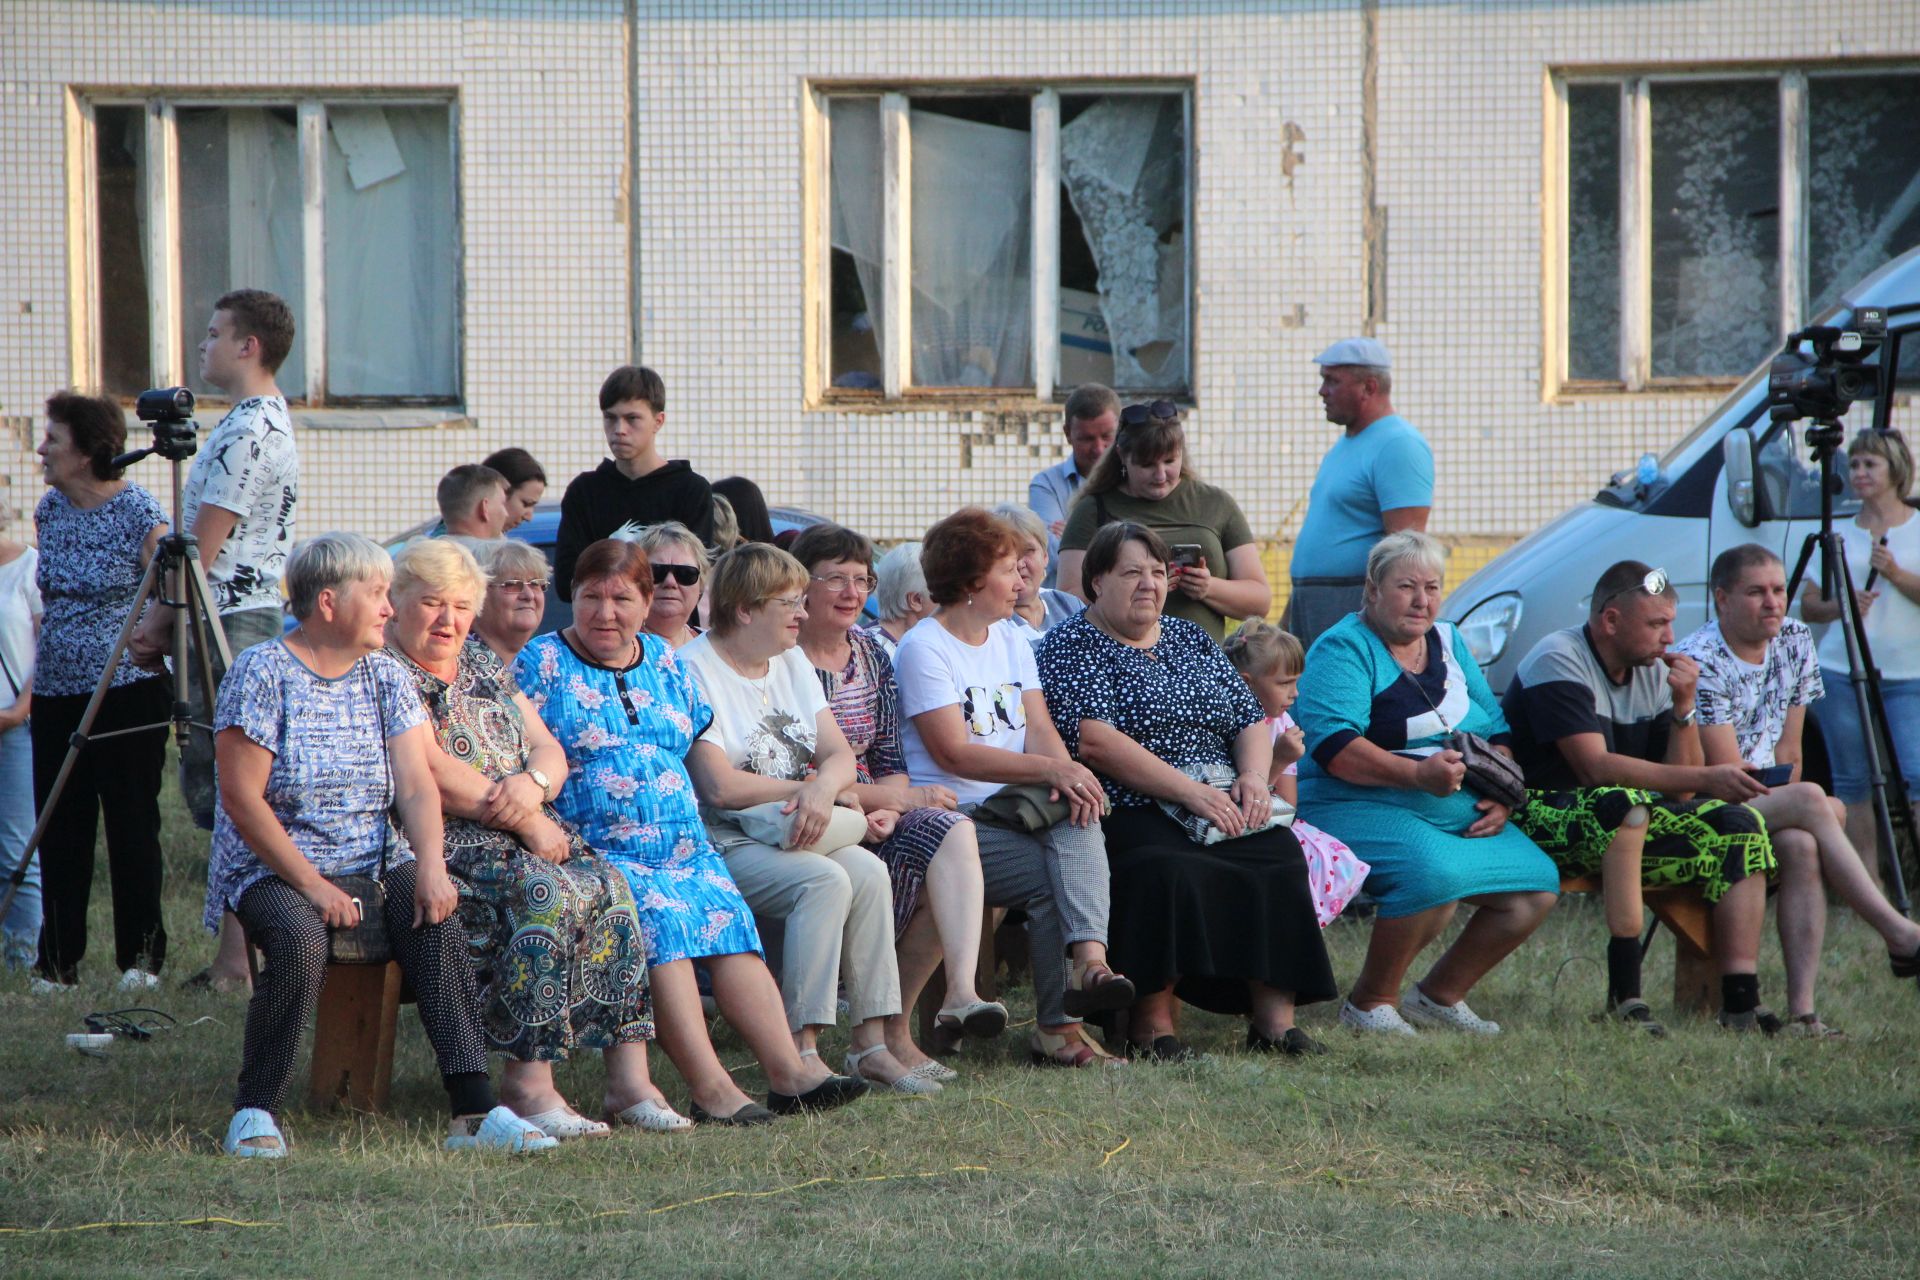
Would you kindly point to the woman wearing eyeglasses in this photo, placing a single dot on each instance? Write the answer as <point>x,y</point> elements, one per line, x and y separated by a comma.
<point>919,832</point>
<point>773,741</point>
<point>517,582</point>
<point>679,569</point>
<point>1148,478</point>
<point>626,713</point>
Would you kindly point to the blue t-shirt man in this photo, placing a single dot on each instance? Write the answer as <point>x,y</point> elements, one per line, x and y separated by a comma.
<point>1381,464</point>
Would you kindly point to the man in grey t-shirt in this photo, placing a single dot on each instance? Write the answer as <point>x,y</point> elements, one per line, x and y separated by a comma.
<point>1603,723</point>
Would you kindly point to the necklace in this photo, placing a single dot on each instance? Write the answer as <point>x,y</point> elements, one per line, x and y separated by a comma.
<point>759,686</point>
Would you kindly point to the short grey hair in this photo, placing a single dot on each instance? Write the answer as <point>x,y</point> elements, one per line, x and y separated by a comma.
<point>1382,376</point>
<point>511,558</point>
<point>443,565</point>
<point>1396,549</point>
<point>898,575</point>
<point>328,563</point>
<point>671,533</point>
<point>1025,520</point>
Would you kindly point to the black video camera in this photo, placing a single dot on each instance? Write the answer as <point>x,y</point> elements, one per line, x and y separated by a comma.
<point>1824,385</point>
<point>170,410</point>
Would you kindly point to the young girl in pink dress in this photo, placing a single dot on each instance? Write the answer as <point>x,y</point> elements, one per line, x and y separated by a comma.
<point>1270,661</point>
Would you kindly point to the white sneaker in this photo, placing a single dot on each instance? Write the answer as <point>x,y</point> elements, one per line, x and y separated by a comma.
<point>139,980</point>
<point>1418,1007</point>
<point>1383,1019</point>
<point>47,987</point>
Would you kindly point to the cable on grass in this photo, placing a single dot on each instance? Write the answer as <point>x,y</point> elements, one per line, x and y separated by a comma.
<point>107,1226</point>
<point>752,1195</point>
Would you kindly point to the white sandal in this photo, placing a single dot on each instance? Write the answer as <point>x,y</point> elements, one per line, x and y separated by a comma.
<point>564,1124</point>
<point>908,1082</point>
<point>651,1116</point>
<point>938,1072</point>
<point>248,1124</point>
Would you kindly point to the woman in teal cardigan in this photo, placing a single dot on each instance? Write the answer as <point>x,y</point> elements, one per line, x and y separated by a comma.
<point>1382,692</point>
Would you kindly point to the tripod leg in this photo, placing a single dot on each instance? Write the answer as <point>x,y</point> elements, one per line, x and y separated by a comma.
<point>148,589</point>
<point>1853,631</point>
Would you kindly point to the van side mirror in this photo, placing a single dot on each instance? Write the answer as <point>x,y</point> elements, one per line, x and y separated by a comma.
<point>1740,453</point>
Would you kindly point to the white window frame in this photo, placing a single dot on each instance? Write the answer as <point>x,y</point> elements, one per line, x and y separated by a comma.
<point>167,354</point>
<point>896,347</point>
<point>1636,213</point>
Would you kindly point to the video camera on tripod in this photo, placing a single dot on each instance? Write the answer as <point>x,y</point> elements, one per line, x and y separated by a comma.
<point>1824,384</point>
<point>176,436</point>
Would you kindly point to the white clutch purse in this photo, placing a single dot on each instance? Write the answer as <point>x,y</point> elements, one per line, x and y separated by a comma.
<point>765,824</point>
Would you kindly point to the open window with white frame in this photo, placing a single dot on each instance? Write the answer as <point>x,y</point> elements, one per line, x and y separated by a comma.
<point>346,206</point>
<point>1704,216</point>
<point>998,240</point>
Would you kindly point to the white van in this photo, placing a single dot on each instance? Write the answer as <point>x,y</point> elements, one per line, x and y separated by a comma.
<point>1737,477</point>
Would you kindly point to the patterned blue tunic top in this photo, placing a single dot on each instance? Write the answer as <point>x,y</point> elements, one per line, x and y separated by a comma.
<point>88,575</point>
<point>626,735</point>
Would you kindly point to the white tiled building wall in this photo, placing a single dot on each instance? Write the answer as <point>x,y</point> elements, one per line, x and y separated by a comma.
<point>543,101</point>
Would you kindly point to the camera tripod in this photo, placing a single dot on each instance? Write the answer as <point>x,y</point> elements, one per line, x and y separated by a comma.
<point>175,566</point>
<point>1892,807</point>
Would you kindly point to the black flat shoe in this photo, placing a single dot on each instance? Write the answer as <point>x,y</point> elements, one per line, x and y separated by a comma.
<point>1293,1043</point>
<point>751,1114</point>
<point>1163,1049</point>
<point>834,1091</point>
<point>1905,966</point>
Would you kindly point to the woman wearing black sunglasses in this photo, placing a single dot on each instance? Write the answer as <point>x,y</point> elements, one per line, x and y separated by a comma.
<point>679,571</point>
<point>1147,478</point>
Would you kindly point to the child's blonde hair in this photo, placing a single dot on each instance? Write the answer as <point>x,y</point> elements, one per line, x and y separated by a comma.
<point>1259,648</point>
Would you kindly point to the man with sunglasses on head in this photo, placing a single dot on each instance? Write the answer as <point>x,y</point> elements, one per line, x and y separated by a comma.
<point>1376,480</point>
<point>1604,724</point>
<point>1092,417</point>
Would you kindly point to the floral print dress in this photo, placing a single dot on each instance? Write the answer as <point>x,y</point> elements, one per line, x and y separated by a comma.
<point>626,733</point>
<point>557,949</point>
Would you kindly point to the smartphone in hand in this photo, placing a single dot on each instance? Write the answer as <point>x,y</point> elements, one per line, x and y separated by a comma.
<point>1776,775</point>
<point>1186,555</point>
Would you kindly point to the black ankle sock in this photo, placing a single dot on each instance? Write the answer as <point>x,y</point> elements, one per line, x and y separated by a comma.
<point>1740,992</point>
<point>469,1093</point>
<point>1623,969</point>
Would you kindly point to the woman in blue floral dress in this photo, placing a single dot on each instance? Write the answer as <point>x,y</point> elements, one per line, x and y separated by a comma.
<point>625,713</point>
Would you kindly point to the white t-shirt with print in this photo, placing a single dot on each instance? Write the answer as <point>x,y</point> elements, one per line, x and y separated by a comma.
<point>248,465</point>
<point>1755,698</point>
<point>936,669</point>
<point>775,735</point>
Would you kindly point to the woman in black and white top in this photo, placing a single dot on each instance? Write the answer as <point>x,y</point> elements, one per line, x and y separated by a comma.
<point>96,534</point>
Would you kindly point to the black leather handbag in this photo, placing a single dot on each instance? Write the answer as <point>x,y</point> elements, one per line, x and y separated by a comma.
<point>366,941</point>
<point>1490,773</point>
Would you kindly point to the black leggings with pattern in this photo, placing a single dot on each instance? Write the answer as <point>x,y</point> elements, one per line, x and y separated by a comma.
<point>289,931</point>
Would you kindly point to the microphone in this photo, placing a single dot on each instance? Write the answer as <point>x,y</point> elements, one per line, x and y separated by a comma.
<point>1874,573</point>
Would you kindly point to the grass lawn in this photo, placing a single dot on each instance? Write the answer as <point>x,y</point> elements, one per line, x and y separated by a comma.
<point>1560,1148</point>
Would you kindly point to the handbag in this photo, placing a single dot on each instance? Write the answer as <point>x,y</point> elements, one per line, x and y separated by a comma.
<point>366,941</point>
<point>1202,831</point>
<point>1026,807</point>
<point>1490,773</point>
<point>765,824</point>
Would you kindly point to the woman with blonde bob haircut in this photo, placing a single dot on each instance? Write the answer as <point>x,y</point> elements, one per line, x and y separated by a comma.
<point>551,927</point>
<point>774,740</point>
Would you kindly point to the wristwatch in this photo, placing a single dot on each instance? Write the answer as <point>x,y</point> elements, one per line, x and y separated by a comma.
<point>1688,718</point>
<point>546,784</point>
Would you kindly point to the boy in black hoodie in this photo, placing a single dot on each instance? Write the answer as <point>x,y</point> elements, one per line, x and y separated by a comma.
<point>637,485</point>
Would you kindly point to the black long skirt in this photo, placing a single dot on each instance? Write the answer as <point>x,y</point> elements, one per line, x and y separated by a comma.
<point>1215,917</point>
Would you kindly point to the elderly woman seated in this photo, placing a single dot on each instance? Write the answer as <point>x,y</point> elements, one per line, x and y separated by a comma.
<point>900,594</point>
<point>679,568</point>
<point>918,832</point>
<point>318,737</point>
<point>626,712</point>
<point>1210,898</point>
<point>1383,693</point>
<point>1039,608</point>
<point>517,580</point>
<point>551,926</point>
<point>773,742</point>
<point>976,723</point>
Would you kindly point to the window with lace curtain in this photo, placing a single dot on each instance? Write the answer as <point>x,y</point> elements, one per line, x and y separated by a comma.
<point>1708,215</point>
<point>1001,241</point>
<point>346,208</point>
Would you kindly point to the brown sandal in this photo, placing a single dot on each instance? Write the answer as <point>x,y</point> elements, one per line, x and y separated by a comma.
<point>1092,987</point>
<point>1081,1050</point>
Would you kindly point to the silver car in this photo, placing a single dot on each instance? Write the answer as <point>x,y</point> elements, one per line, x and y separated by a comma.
<point>1737,477</point>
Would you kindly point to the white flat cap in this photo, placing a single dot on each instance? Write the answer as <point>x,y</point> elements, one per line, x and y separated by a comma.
<point>1368,351</point>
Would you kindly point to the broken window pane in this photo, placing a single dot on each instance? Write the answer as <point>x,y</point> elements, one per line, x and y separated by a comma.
<point>240,222</point>
<point>1593,231</point>
<point>392,253</point>
<point>1716,243</point>
<point>1123,271</point>
<point>854,131</point>
<point>972,241</point>
<point>120,148</point>
<point>1863,203</point>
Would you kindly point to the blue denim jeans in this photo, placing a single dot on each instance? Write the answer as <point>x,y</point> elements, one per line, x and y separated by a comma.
<point>20,932</point>
<point>1839,718</point>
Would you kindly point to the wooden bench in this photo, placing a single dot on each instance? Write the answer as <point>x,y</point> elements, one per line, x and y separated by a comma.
<point>353,1034</point>
<point>1696,981</point>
